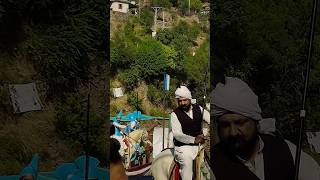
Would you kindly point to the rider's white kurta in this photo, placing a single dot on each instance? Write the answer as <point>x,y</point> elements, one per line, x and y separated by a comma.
<point>186,154</point>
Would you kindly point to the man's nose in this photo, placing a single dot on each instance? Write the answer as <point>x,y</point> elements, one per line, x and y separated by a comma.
<point>234,130</point>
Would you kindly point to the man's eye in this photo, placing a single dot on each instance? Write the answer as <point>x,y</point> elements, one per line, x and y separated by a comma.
<point>241,122</point>
<point>224,125</point>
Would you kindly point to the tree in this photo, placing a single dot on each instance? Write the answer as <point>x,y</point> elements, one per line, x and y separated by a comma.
<point>264,44</point>
<point>150,58</point>
<point>197,70</point>
<point>195,5</point>
<point>162,3</point>
<point>146,17</point>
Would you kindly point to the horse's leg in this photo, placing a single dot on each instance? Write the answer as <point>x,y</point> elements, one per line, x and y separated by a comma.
<point>160,168</point>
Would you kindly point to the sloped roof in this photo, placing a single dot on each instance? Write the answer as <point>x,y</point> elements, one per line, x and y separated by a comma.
<point>132,5</point>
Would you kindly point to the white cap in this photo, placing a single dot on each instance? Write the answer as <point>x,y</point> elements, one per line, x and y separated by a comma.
<point>183,92</point>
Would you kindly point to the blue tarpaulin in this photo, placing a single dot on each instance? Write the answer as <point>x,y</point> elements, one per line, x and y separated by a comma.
<point>102,174</point>
<point>143,117</point>
<point>73,170</point>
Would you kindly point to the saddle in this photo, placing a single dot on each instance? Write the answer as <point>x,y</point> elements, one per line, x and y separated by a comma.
<point>175,171</point>
<point>175,167</point>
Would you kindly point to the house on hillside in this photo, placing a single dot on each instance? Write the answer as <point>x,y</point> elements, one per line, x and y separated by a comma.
<point>122,6</point>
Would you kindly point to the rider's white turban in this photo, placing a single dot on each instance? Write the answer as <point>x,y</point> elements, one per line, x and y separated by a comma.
<point>183,92</point>
<point>237,97</point>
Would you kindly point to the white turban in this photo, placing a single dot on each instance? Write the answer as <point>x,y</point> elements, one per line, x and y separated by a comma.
<point>183,92</point>
<point>237,97</point>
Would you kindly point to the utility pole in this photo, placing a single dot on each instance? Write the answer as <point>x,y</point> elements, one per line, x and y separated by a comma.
<point>306,85</point>
<point>87,136</point>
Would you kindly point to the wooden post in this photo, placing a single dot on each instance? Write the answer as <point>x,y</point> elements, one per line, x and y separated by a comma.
<point>168,137</point>
<point>163,128</point>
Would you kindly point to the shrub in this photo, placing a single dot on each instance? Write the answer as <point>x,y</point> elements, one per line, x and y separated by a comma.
<point>5,104</point>
<point>158,112</point>
<point>146,17</point>
<point>71,124</point>
<point>195,6</point>
<point>162,3</point>
<point>134,100</point>
<point>150,58</point>
<point>154,95</point>
<point>130,77</point>
<point>13,153</point>
<point>60,51</point>
<point>165,36</point>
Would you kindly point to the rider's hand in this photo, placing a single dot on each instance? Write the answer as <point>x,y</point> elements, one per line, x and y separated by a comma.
<point>199,139</point>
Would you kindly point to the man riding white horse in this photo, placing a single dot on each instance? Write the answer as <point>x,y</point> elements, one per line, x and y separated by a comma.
<point>186,123</point>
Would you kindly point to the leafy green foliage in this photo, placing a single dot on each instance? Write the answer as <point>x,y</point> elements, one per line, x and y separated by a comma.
<point>150,58</point>
<point>121,54</point>
<point>14,154</point>
<point>146,18</point>
<point>195,5</point>
<point>180,36</point>
<point>148,61</point>
<point>71,124</point>
<point>162,3</point>
<point>158,112</point>
<point>198,71</point>
<point>154,94</point>
<point>60,40</point>
<point>130,77</point>
<point>5,103</point>
<point>264,44</point>
<point>134,100</point>
<point>135,57</point>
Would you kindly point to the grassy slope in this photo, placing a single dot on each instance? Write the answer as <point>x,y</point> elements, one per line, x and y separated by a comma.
<point>22,135</point>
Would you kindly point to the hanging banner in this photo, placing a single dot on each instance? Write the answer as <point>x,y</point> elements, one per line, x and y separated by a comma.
<point>166,82</point>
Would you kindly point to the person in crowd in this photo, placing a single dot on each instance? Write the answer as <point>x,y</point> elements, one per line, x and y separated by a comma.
<point>247,147</point>
<point>186,122</point>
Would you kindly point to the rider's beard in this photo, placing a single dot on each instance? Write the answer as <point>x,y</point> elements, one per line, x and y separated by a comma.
<point>240,145</point>
<point>185,107</point>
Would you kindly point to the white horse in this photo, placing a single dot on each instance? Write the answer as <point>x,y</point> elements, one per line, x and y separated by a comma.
<point>163,166</point>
